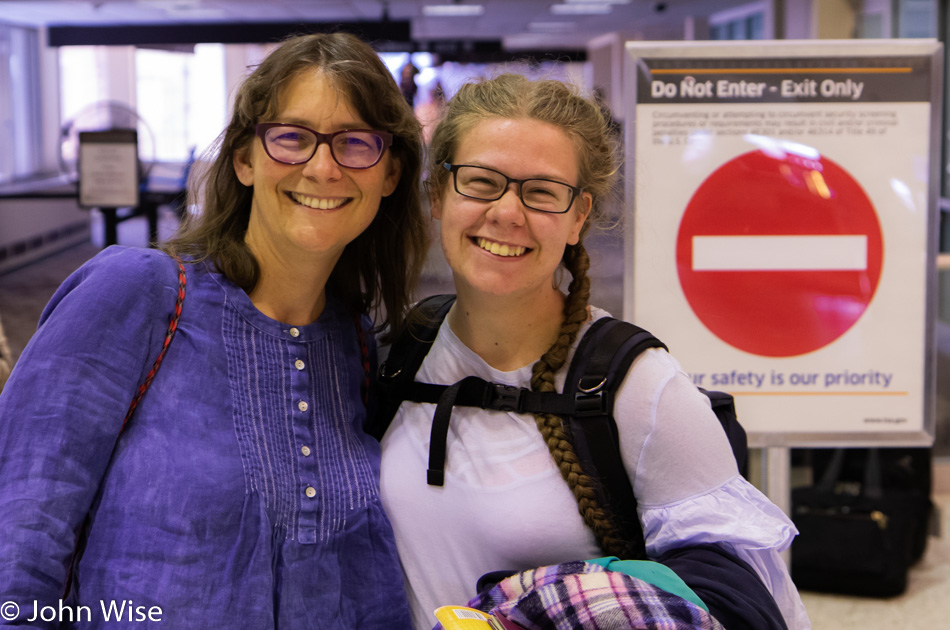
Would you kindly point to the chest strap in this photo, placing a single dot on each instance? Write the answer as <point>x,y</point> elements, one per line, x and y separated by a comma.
<point>473,391</point>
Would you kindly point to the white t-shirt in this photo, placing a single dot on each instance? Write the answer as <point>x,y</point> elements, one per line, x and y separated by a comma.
<point>505,506</point>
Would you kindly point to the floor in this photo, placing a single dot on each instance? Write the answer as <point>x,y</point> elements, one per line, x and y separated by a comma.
<point>926,604</point>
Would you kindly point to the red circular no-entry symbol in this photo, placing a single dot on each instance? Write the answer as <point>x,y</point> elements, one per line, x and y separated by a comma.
<point>779,253</point>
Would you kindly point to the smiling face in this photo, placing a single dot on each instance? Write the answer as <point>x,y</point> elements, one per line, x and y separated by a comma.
<point>313,209</point>
<point>501,247</point>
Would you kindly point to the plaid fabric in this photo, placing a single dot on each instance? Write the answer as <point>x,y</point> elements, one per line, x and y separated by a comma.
<point>584,595</point>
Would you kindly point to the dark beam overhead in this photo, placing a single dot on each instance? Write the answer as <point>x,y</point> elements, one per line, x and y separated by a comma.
<point>484,51</point>
<point>220,33</point>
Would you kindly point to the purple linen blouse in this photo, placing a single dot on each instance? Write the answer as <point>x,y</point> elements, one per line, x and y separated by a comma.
<point>242,494</point>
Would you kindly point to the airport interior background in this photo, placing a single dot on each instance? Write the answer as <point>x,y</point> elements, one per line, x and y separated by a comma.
<point>168,69</point>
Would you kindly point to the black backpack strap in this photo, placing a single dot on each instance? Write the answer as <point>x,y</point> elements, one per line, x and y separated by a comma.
<point>397,383</point>
<point>599,366</point>
<point>477,392</point>
<point>724,406</point>
<point>601,362</point>
<point>473,391</point>
<point>398,372</point>
<point>435,474</point>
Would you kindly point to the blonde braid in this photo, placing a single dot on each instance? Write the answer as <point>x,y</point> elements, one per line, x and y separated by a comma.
<point>557,439</point>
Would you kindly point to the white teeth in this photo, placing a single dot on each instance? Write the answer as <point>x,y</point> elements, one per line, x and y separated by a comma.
<point>500,250</point>
<point>317,203</point>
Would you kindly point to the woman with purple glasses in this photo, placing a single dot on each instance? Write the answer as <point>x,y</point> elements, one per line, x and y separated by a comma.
<point>243,492</point>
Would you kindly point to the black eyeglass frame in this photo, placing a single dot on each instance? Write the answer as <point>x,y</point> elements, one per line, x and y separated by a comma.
<point>453,168</point>
<point>260,130</point>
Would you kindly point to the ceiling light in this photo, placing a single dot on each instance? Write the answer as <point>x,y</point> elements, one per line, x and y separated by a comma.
<point>585,8</point>
<point>551,27</point>
<point>452,10</point>
<point>170,4</point>
<point>596,1</point>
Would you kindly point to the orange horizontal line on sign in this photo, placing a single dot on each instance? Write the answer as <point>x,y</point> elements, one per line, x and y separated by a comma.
<point>820,393</point>
<point>817,252</point>
<point>782,71</point>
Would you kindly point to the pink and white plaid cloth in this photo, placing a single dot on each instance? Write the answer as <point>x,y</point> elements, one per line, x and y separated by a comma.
<point>584,595</point>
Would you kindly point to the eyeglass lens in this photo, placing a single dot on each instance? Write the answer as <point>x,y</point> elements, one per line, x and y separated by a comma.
<point>291,144</point>
<point>488,185</point>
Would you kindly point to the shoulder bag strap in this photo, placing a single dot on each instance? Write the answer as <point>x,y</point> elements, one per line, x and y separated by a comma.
<point>139,393</point>
<point>169,335</point>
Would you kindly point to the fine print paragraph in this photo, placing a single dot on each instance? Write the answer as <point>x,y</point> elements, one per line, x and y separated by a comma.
<point>679,127</point>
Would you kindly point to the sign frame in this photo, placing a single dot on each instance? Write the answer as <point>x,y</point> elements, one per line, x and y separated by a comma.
<point>679,326</point>
<point>108,169</point>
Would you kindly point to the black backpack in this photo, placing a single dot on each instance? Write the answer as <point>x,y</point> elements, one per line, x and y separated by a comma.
<point>599,365</point>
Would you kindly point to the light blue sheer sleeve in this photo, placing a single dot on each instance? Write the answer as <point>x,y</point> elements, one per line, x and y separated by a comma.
<point>687,483</point>
<point>740,518</point>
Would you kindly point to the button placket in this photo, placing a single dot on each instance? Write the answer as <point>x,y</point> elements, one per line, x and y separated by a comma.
<point>302,405</point>
<point>299,392</point>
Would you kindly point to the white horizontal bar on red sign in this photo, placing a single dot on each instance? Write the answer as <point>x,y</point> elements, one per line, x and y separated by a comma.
<point>836,252</point>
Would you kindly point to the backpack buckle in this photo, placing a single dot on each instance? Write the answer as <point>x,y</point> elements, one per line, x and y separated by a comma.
<point>506,398</point>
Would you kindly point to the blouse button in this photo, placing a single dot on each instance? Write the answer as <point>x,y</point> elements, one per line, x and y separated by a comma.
<point>294,332</point>
<point>299,364</point>
<point>302,405</point>
<point>310,492</point>
<point>305,450</point>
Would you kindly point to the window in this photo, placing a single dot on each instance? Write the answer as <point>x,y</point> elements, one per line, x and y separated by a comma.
<point>917,18</point>
<point>181,97</point>
<point>743,22</point>
<point>82,79</point>
<point>176,99</point>
<point>19,103</point>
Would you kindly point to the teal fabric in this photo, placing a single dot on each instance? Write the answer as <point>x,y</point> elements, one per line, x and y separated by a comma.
<point>657,574</point>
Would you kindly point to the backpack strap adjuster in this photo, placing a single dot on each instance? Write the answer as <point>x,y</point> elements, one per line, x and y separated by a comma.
<point>385,374</point>
<point>588,405</point>
<point>590,397</point>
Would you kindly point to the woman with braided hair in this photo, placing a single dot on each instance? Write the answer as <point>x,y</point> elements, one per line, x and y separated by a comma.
<point>519,171</point>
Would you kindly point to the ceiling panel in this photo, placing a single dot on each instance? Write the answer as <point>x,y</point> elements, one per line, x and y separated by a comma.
<point>521,23</point>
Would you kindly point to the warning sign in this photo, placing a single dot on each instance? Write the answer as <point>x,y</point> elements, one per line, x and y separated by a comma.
<point>779,253</point>
<point>783,202</point>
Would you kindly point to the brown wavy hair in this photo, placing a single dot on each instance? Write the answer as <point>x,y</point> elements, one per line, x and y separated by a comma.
<point>379,269</point>
<point>553,102</point>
